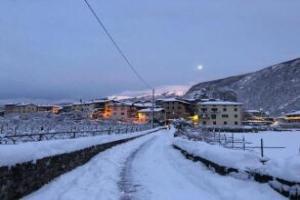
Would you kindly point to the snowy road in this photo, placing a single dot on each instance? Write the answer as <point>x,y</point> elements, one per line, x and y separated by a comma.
<point>148,168</point>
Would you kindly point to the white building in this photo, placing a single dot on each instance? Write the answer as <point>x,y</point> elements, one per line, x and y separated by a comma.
<point>220,113</point>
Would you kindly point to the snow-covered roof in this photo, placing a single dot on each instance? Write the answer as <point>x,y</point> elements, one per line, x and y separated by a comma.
<point>46,105</point>
<point>172,100</point>
<point>148,104</point>
<point>220,103</point>
<point>294,113</point>
<point>150,110</point>
<point>252,111</point>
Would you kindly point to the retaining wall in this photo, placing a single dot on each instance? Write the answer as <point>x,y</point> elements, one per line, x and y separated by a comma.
<point>286,188</point>
<point>24,178</point>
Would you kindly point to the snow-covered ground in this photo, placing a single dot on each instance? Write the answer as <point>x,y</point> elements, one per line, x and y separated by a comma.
<point>284,163</point>
<point>285,167</point>
<point>290,140</point>
<point>148,168</point>
<point>30,151</point>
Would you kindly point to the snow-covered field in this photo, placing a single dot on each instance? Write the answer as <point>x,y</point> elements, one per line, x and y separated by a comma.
<point>148,168</point>
<point>46,126</point>
<point>12,154</point>
<point>290,140</point>
<point>282,163</point>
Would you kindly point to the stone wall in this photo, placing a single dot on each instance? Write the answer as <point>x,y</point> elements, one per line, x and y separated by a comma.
<point>24,178</point>
<point>286,188</point>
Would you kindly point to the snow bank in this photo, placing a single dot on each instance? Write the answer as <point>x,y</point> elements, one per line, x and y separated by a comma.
<point>287,169</point>
<point>226,157</point>
<point>97,179</point>
<point>31,151</point>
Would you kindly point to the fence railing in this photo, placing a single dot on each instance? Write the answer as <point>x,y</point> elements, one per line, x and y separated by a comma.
<point>226,140</point>
<point>13,139</point>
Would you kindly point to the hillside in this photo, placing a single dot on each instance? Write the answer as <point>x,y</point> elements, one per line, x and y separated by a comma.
<point>275,89</point>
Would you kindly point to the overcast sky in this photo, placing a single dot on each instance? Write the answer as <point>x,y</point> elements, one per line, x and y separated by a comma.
<point>53,49</point>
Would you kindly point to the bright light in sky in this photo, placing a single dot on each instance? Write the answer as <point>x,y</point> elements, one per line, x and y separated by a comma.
<point>200,67</point>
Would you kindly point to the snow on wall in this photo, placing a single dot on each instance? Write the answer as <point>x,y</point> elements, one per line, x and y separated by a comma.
<point>287,169</point>
<point>22,179</point>
<point>23,152</point>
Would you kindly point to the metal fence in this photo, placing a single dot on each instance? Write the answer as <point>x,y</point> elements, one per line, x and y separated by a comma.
<point>224,140</point>
<point>40,136</point>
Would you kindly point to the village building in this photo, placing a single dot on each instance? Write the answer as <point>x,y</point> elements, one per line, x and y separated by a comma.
<point>176,108</point>
<point>220,113</point>
<point>145,115</point>
<point>66,108</point>
<point>142,105</point>
<point>88,106</point>
<point>119,111</point>
<point>289,120</point>
<point>49,108</point>
<point>256,118</point>
<point>30,108</point>
<point>20,108</point>
<point>2,111</point>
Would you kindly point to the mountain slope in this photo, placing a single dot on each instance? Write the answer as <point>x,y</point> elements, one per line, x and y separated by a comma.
<point>275,89</point>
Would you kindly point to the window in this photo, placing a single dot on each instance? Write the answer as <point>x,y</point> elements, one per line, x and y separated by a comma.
<point>224,109</point>
<point>235,109</point>
<point>225,123</point>
<point>213,116</point>
<point>214,109</point>
<point>236,116</point>
<point>225,116</point>
<point>122,113</point>
<point>236,123</point>
<point>214,122</point>
<point>204,122</point>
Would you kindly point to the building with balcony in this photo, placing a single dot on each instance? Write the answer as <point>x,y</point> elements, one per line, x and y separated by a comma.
<point>256,118</point>
<point>289,120</point>
<point>119,111</point>
<point>176,108</point>
<point>20,108</point>
<point>145,115</point>
<point>220,113</point>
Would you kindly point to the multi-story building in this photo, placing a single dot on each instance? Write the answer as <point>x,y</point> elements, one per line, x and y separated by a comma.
<point>2,111</point>
<point>89,105</point>
<point>30,108</point>
<point>256,118</point>
<point>220,113</point>
<point>145,115</point>
<point>289,120</point>
<point>49,108</point>
<point>175,108</point>
<point>20,108</point>
<point>119,111</point>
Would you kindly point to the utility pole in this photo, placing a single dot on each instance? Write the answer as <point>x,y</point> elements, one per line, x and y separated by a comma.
<point>153,106</point>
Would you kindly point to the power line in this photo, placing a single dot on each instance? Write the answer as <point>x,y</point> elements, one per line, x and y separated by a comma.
<point>117,46</point>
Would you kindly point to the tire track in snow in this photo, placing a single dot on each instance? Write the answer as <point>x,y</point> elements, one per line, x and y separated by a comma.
<point>126,184</point>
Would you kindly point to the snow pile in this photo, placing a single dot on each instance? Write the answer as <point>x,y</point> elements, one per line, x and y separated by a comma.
<point>287,169</point>
<point>226,157</point>
<point>31,151</point>
<point>97,179</point>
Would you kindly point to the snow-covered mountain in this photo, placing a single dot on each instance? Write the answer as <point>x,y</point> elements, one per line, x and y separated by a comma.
<point>160,92</point>
<point>275,89</point>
